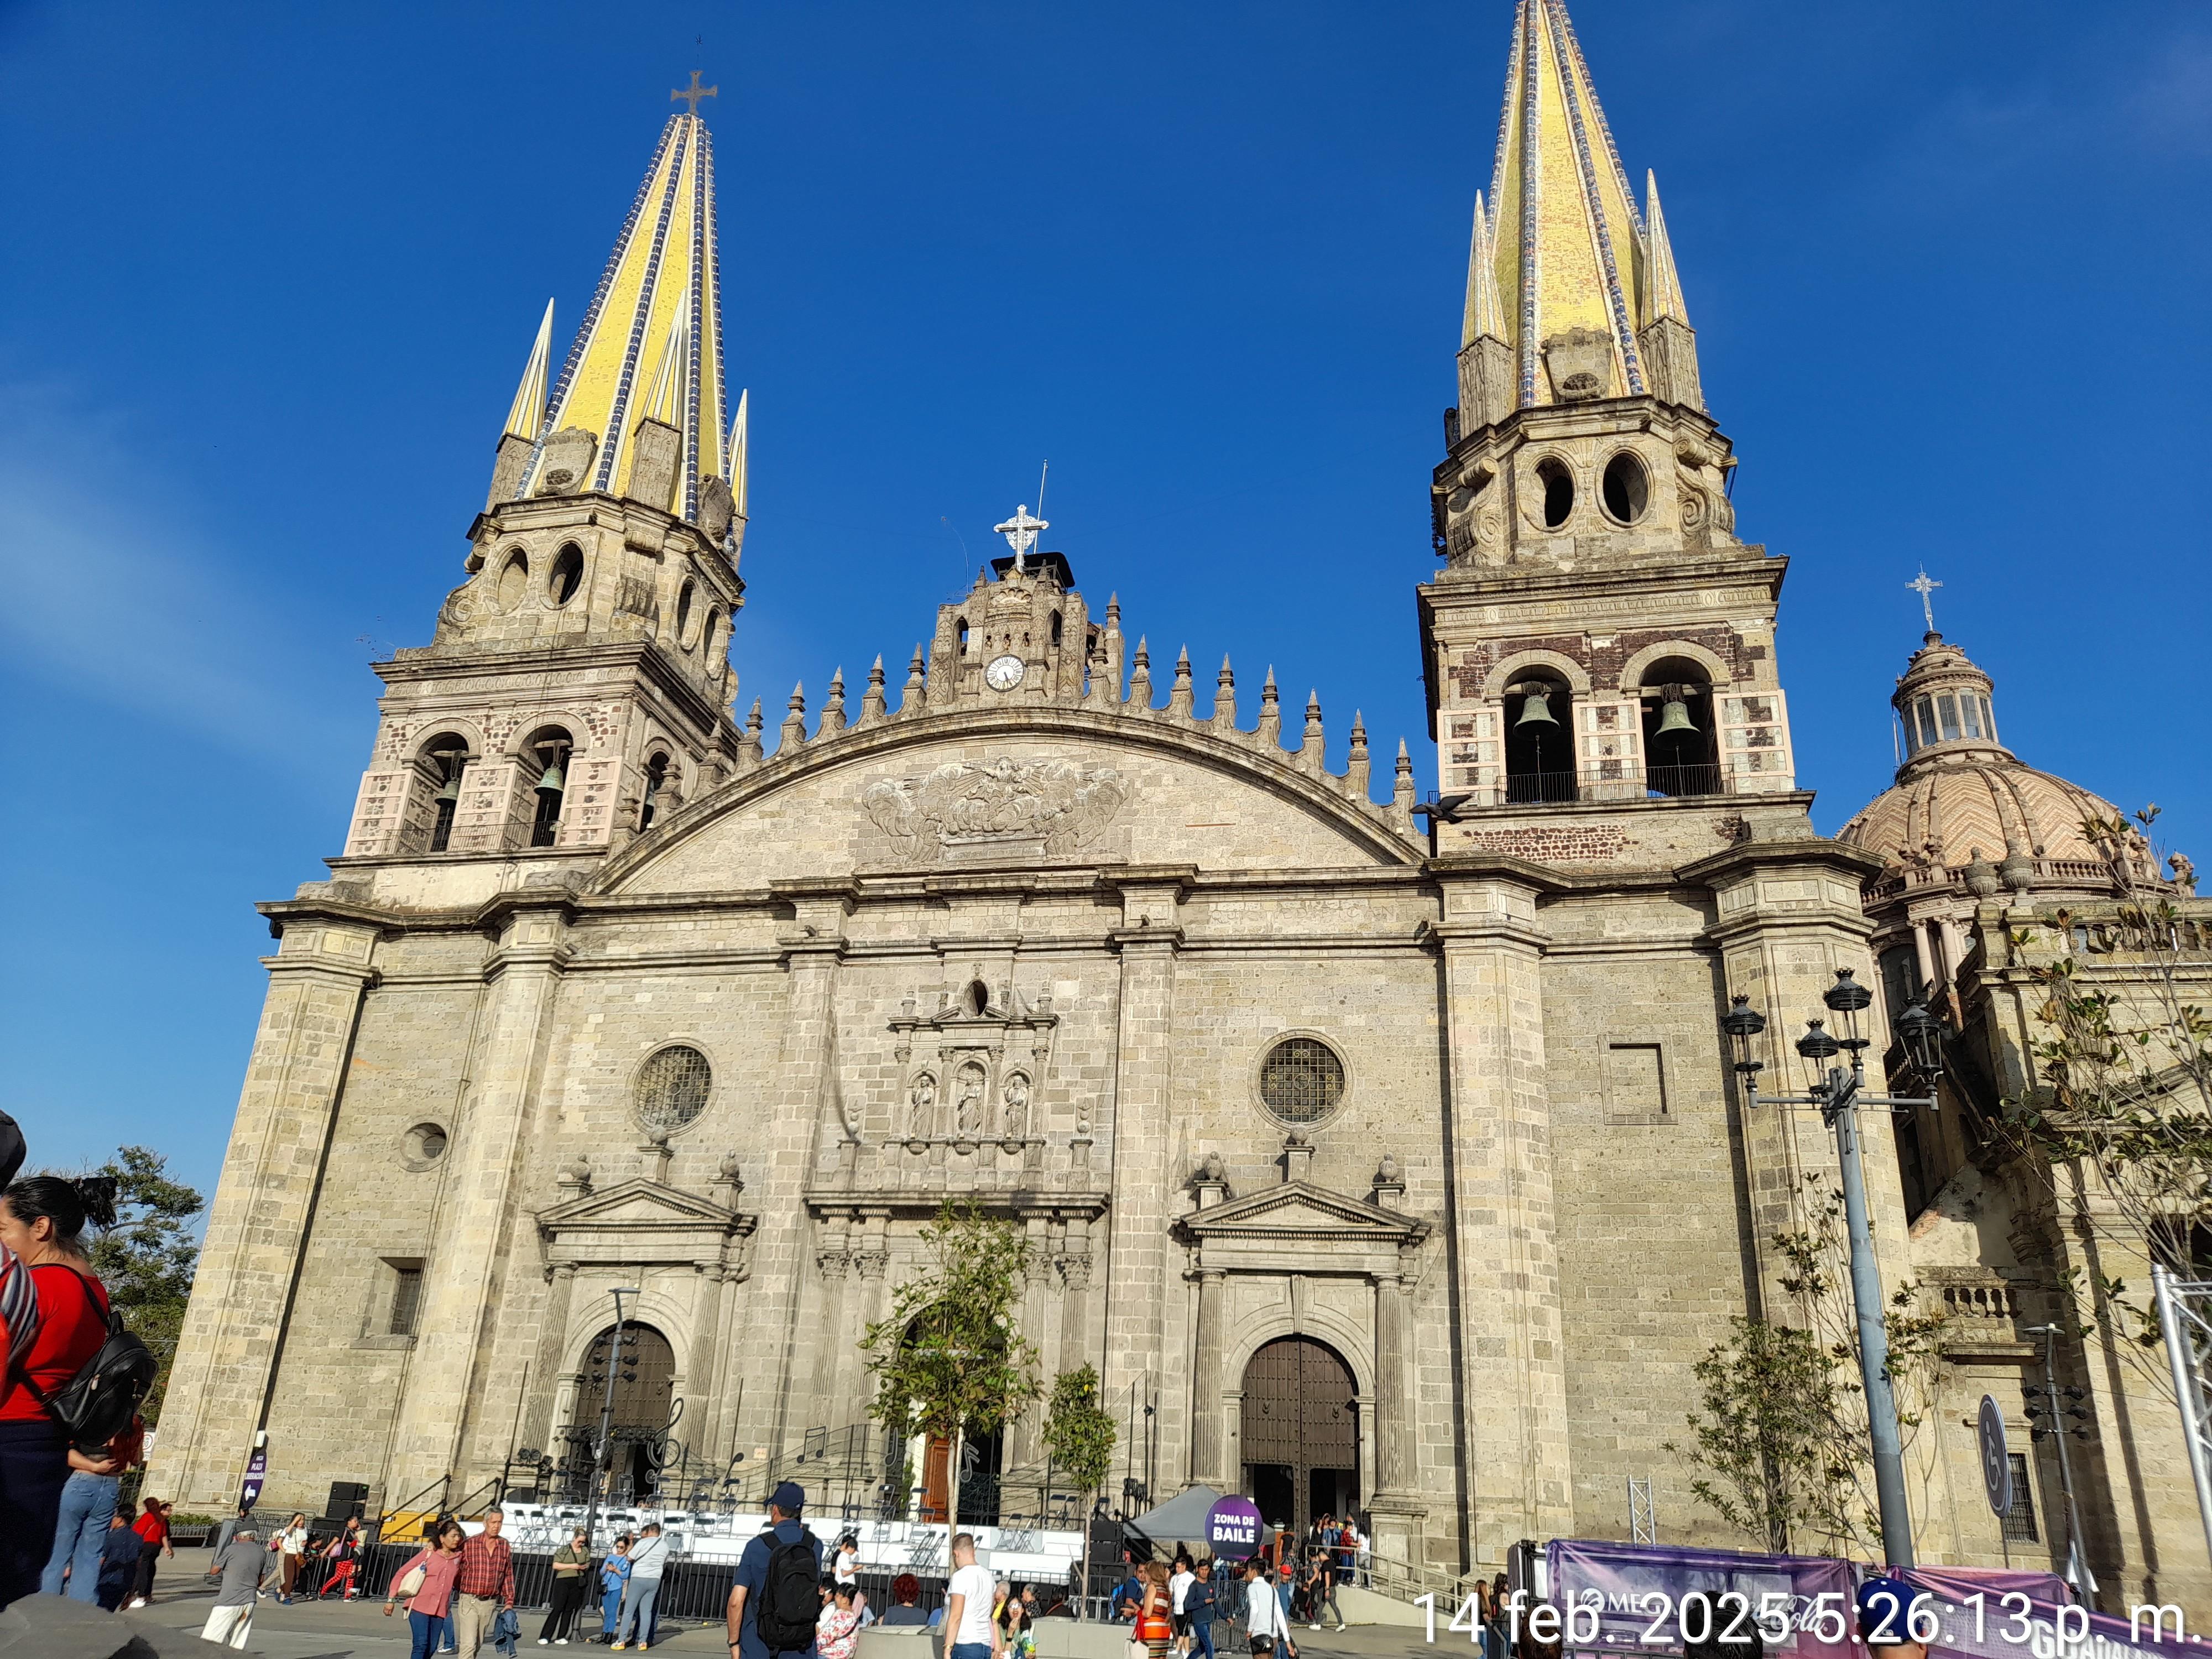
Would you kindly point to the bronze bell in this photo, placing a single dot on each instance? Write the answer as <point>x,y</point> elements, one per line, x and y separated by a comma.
<point>450,790</point>
<point>1535,710</point>
<point>552,780</point>
<point>1675,715</point>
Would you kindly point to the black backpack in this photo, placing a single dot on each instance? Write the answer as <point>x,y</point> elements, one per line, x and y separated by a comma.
<point>98,1403</point>
<point>790,1599</point>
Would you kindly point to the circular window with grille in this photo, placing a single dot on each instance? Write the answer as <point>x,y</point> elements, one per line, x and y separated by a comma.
<point>671,1089</point>
<point>423,1146</point>
<point>1301,1081</point>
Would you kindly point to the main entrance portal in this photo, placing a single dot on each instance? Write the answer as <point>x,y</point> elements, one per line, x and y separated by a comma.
<point>1300,1435</point>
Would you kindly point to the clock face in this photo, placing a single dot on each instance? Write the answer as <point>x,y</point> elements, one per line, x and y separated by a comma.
<point>1003,674</point>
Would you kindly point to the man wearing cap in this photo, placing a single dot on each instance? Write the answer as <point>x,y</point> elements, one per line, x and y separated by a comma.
<point>784,1528</point>
<point>1885,1608</point>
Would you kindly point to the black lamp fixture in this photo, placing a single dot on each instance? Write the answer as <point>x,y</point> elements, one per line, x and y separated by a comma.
<point>1922,1033</point>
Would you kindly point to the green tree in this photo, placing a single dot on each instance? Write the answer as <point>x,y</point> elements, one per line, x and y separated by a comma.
<point>1078,1432</point>
<point>1782,1437</point>
<point>948,1359</point>
<point>2116,1131</point>
<point>146,1260</point>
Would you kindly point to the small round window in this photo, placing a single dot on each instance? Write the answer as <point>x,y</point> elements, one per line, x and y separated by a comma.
<point>1301,1081</point>
<point>671,1089</point>
<point>1559,485</point>
<point>423,1146</point>
<point>514,579</point>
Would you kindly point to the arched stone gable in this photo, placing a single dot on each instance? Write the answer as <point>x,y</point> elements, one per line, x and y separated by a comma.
<point>1367,834</point>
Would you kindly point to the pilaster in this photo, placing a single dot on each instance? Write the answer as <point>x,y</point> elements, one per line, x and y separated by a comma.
<point>1504,1266</point>
<point>265,1207</point>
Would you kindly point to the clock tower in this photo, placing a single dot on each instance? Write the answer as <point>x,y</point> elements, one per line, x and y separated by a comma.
<point>1022,634</point>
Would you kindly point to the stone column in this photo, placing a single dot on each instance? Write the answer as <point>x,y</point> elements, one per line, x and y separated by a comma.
<point>1500,1216</point>
<point>1396,1508</point>
<point>1139,1274</point>
<point>1206,1458</point>
<point>1788,917</point>
<point>257,1231</point>
<point>798,1110</point>
<point>471,1269</point>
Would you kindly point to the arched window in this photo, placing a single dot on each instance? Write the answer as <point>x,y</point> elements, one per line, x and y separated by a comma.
<point>443,758</point>
<point>656,782</point>
<point>639,1375</point>
<point>1558,484</point>
<point>549,750</point>
<point>567,575</point>
<point>978,997</point>
<point>1680,757</point>
<point>1540,739</point>
<point>963,635</point>
<point>514,579</point>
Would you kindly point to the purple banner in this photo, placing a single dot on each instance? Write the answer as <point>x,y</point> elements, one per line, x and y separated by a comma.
<point>1647,1600</point>
<point>257,1472</point>
<point>1233,1529</point>
<point>1982,1614</point>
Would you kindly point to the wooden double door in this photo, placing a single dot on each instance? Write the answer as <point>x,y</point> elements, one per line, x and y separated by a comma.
<point>1300,1434</point>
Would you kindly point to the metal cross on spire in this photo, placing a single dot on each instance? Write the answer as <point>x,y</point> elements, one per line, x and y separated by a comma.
<point>1924,586</point>
<point>689,96</point>
<point>1021,534</point>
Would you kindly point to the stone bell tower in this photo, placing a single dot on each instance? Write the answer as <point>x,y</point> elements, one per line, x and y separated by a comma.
<point>1598,634</point>
<point>576,687</point>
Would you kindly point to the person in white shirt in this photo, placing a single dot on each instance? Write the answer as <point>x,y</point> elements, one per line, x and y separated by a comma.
<point>970,1632</point>
<point>848,1569</point>
<point>1179,1583</point>
<point>640,1601</point>
<point>1263,1617</point>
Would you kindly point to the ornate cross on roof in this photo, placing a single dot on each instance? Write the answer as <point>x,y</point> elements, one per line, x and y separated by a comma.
<point>1021,534</point>
<point>1922,585</point>
<point>689,96</point>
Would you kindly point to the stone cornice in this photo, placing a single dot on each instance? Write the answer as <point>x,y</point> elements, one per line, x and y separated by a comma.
<point>646,659</point>
<point>1745,858</point>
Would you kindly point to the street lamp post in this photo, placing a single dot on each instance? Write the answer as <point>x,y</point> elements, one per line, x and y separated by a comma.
<point>606,1379</point>
<point>1840,1093</point>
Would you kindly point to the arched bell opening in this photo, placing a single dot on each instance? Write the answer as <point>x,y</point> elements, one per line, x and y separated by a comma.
<point>1680,756</point>
<point>1539,740</point>
<point>439,764</point>
<point>545,758</point>
<point>659,789</point>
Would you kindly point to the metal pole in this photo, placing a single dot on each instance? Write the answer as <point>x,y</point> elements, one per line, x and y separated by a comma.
<point>606,1424</point>
<point>1874,1335</point>
<point>2076,1562</point>
<point>2181,1354</point>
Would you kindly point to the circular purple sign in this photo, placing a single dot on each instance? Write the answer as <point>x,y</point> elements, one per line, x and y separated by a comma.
<point>1233,1528</point>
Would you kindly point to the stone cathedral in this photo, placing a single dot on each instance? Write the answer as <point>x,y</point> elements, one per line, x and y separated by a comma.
<point>1374,1132</point>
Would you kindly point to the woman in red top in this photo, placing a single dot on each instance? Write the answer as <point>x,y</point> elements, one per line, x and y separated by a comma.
<point>53,1318</point>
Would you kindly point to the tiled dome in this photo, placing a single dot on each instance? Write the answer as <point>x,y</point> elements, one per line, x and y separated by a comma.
<point>1961,796</point>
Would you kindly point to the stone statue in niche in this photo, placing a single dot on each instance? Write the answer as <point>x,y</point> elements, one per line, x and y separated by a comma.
<point>1016,1099</point>
<point>968,1101</point>
<point>921,1100</point>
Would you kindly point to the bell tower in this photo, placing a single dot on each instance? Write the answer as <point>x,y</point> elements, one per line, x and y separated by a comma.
<point>1598,633</point>
<point>576,688</point>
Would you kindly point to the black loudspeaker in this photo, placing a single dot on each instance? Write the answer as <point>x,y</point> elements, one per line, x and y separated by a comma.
<point>348,1500</point>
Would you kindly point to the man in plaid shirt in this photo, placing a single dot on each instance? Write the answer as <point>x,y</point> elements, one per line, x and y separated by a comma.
<point>484,1586</point>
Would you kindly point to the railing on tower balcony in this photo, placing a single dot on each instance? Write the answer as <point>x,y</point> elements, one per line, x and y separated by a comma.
<point>1616,781</point>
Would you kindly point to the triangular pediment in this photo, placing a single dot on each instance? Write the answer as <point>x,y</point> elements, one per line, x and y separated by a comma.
<point>638,1203</point>
<point>1295,1210</point>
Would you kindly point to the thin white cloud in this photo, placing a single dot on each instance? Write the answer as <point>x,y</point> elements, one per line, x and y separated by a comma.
<point>111,596</point>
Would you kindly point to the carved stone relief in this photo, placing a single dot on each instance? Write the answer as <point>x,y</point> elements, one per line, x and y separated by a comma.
<point>965,809</point>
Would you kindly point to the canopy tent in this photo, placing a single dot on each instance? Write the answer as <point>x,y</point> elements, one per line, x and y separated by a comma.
<point>1180,1520</point>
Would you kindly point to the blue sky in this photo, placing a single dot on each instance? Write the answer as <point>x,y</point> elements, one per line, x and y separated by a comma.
<point>273,271</point>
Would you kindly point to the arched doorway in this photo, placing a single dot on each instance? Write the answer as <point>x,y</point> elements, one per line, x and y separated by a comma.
<point>1300,1433</point>
<point>643,1378</point>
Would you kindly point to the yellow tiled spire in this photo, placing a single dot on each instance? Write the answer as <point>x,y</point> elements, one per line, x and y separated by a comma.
<point>526,419</point>
<point>662,276</point>
<point>1567,237</point>
<point>736,455</point>
<point>1486,314</point>
<point>1663,288</point>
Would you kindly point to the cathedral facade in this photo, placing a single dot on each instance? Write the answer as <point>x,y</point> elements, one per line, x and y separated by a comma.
<point>1394,1103</point>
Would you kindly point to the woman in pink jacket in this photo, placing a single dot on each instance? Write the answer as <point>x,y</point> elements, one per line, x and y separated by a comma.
<point>441,1561</point>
